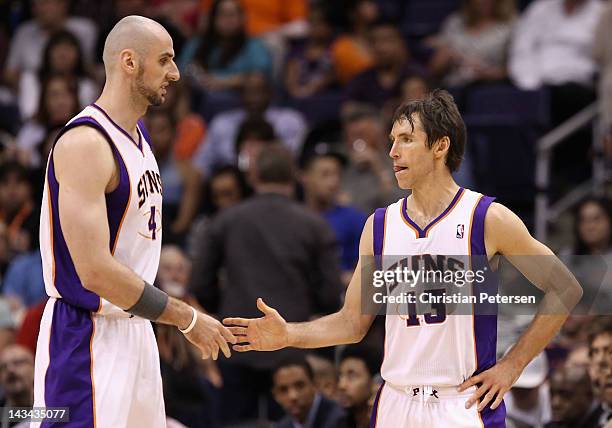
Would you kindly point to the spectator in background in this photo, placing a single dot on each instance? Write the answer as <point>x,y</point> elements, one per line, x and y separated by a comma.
<point>411,88</point>
<point>59,102</point>
<point>600,369</point>
<point>528,403</point>
<point>603,56</point>
<point>253,136</point>
<point>591,255</point>
<point>5,250</point>
<point>218,149</point>
<point>358,367</point>
<point>321,179</point>
<point>189,394</point>
<point>368,181</point>
<point>553,44</point>
<point>391,66</point>
<point>553,47</point>
<point>274,21</point>
<point>62,56</point>
<point>351,51</point>
<point>473,43</point>
<point>225,188</point>
<point>181,180</point>
<point>294,389</point>
<point>593,228</point>
<point>24,279</point>
<point>50,16</point>
<point>571,398</point>
<point>309,69</point>
<point>224,54</point>
<point>325,375</point>
<point>7,324</point>
<point>17,376</point>
<point>17,209</point>
<point>271,247</point>
<point>190,127</point>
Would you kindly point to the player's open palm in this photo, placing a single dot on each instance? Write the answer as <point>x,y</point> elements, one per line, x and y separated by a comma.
<point>209,335</point>
<point>267,333</point>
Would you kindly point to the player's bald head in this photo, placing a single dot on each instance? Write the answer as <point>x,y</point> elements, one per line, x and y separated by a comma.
<point>133,32</point>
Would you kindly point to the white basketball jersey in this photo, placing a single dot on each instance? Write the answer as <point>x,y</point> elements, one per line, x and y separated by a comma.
<point>133,214</point>
<point>429,349</point>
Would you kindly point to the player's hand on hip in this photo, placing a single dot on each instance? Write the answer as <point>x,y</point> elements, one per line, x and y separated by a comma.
<point>267,333</point>
<point>492,384</point>
<point>210,336</point>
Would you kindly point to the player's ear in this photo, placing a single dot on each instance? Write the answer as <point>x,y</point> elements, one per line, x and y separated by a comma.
<point>441,147</point>
<point>128,60</point>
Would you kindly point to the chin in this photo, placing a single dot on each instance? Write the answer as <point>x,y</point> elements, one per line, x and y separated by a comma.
<point>404,185</point>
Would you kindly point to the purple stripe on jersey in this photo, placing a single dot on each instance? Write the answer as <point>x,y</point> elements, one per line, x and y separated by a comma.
<point>374,415</point>
<point>145,133</point>
<point>68,380</point>
<point>66,279</point>
<point>379,235</point>
<point>494,418</point>
<point>423,232</point>
<point>119,128</point>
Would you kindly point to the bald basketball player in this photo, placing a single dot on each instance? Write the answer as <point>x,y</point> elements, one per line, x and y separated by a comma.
<point>100,243</point>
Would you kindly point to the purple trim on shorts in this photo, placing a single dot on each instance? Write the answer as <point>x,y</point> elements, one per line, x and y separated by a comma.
<point>68,380</point>
<point>494,418</point>
<point>123,131</point>
<point>379,235</point>
<point>67,281</point>
<point>374,415</point>
<point>423,232</point>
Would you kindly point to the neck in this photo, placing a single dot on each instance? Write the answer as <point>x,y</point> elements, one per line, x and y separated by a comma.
<point>599,247</point>
<point>319,205</point>
<point>280,189</point>
<point>362,416</point>
<point>125,111</point>
<point>437,190</point>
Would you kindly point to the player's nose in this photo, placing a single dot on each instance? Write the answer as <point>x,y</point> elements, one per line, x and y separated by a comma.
<point>174,74</point>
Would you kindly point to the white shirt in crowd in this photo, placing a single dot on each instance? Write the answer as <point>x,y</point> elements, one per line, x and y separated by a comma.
<point>28,44</point>
<point>550,47</point>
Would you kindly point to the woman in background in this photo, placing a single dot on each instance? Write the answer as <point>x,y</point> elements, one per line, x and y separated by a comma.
<point>219,59</point>
<point>62,56</point>
<point>473,43</point>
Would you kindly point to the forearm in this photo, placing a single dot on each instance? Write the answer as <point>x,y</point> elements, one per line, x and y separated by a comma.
<point>330,330</point>
<point>552,313</point>
<point>122,287</point>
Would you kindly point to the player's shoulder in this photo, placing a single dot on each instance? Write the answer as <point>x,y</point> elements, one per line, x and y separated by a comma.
<point>80,138</point>
<point>83,147</point>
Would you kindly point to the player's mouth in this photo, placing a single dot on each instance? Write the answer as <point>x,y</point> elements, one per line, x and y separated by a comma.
<point>398,169</point>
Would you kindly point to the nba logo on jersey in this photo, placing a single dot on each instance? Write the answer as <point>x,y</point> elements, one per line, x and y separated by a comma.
<point>460,228</point>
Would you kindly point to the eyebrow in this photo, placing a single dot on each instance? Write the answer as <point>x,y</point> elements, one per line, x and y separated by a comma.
<point>167,54</point>
<point>403,134</point>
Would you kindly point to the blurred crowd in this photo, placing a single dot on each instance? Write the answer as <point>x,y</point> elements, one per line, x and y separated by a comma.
<point>273,152</point>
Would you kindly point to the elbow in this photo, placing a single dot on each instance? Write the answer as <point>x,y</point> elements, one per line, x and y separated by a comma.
<point>92,277</point>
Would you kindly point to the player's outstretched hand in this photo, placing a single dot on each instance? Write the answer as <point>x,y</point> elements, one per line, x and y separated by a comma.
<point>492,383</point>
<point>267,333</point>
<point>209,335</point>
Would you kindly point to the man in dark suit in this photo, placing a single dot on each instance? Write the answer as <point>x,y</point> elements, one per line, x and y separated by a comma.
<point>294,389</point>
<point>571,398</point>
<point>600,370</point>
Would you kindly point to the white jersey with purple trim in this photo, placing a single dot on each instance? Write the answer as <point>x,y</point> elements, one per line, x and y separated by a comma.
<point>434,348</point>
<point>133,212</point>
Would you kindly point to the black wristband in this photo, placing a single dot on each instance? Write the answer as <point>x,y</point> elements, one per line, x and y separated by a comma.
<point>151,304</point>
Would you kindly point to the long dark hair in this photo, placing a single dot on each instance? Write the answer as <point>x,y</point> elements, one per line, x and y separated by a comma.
<point>43,116</point>
<point>580,247</point>
<point>59,38</point>
<point>211,39</point>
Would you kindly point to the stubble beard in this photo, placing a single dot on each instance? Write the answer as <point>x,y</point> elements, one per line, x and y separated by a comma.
<point>152,97</point>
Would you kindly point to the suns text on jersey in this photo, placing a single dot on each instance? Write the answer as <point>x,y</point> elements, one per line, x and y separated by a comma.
<point>149,183</point>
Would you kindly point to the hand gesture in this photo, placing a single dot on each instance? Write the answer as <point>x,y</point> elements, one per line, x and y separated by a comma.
<point>495,382</point>
<point>267,333</point>
<point>209,335</point>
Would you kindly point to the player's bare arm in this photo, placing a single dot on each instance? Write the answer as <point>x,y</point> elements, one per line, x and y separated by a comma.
<point>85,169</point>
<point>506,234</point>
<point>272,332</point>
